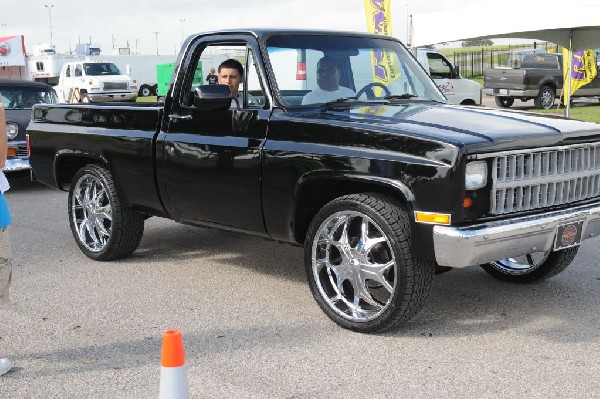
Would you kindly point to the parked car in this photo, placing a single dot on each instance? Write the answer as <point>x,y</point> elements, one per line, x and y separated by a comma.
<point>18,98</point>
<point>380,187</point>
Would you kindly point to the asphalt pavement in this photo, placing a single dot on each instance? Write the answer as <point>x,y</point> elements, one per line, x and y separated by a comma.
<point>85,329</point>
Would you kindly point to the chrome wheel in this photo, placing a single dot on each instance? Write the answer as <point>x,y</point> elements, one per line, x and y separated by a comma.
<point>91,213</point>
<point>531,267</point>
<point>521,265</point>
<point>353,266</point>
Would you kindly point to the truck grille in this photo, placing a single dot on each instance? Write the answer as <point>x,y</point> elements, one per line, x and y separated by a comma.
<point>540,179</point>
<point>22,151</point>
<point>115,86</point>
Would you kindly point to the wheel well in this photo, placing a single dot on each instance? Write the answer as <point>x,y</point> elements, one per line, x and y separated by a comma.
<point>316,194</point>
<point>67,166</point>
<point>550,85</point>
<point>468,102</point>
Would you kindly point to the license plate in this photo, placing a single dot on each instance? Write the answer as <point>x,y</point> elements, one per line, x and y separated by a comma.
<point>568,235</point>
<point>502,92</point>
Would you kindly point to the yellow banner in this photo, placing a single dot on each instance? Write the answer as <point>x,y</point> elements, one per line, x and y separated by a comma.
<point>583,69</point>
<point>379,21</point>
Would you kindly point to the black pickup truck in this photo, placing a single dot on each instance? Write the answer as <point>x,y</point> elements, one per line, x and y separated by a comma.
<point>382,188</point>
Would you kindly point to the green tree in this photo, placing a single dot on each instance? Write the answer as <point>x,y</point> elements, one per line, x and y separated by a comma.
<point>477,43</point>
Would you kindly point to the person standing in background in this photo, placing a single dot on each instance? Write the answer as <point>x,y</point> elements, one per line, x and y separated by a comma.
<point>5,256</point>
<point>211,78</point>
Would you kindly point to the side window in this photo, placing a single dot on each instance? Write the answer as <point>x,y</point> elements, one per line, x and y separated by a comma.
<point>78,70</point>
<point>255,94</point>
<point>439,67</point>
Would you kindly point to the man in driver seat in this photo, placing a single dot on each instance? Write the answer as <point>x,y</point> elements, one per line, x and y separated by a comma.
<point>328,79</point>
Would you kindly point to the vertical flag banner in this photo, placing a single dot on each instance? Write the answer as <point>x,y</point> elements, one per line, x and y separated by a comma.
<point>379,21</point>
<point>583,69</point>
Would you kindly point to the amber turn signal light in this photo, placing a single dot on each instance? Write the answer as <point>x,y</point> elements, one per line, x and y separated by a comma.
<point>467,202</point>
<point>11,152</point>
<point>431,217</point>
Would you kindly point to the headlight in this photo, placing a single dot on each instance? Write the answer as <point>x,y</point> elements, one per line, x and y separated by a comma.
<point>12,129</point>
<point>476,175</point>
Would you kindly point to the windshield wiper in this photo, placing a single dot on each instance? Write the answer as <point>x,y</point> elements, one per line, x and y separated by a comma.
<point>404,96</point>
<point>342,100</point>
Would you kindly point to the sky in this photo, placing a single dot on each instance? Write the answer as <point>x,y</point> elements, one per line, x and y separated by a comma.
<point>134,23</point>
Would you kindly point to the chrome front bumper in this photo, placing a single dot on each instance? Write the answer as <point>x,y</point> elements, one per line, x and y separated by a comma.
<point>487,242</point>
<point>116,96</point>
<point>16,164</point>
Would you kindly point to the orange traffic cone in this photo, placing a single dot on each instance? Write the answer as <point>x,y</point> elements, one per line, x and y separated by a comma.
<point>173,380</point>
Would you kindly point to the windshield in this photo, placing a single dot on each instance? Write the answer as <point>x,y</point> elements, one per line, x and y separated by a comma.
<point>26,97</point>
<point>101,68</point>
<point>318,69</point>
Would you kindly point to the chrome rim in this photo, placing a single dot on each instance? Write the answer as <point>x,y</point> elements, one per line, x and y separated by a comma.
<point>547,99</point>
<point>354,266</point>
<point>91,213</point>
<point>522,264</point>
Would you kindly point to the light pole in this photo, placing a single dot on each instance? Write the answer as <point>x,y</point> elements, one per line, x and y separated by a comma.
<point>156,36</point>
<point>182,20</point>
<point>50,7</point>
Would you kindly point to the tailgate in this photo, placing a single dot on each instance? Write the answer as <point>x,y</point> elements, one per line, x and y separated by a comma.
<point>499,78</point>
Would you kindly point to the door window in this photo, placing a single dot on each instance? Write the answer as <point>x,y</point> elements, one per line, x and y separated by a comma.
<point>249,86</point>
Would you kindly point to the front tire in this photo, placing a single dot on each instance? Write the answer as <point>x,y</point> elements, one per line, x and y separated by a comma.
<point>360,266</point>
<point>531,267</point>
<point>145,91</point>
<point>102,228</point>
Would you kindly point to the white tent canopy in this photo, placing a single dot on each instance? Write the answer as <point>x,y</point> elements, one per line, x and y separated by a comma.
<point>551,21</point>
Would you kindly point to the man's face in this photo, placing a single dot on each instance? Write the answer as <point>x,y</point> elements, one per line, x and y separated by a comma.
<point>328,76</point>
<point>230,77</point>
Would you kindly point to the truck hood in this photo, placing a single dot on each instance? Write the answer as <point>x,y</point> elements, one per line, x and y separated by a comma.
<point>476,129</point>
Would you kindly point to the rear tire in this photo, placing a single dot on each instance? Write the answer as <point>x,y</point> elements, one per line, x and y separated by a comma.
<point>504,102</point>
<point>102,228</point>
<point>531,267</point>
<point>545,98</point>
<point>360,266</point>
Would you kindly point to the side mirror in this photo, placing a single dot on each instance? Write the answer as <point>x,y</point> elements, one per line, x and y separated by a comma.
<point>456,72</point>
<point>212,97</point>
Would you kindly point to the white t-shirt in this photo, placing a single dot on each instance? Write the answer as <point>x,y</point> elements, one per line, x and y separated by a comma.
<point>319,95</point>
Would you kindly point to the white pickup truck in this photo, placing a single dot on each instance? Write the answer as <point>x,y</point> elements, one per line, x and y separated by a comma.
<point>447,77</point>
<point>94,82</point>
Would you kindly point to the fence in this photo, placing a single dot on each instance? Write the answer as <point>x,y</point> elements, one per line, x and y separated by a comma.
<point>473,63</point>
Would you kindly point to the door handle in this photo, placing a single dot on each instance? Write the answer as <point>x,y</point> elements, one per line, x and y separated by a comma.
<point>180,117</point>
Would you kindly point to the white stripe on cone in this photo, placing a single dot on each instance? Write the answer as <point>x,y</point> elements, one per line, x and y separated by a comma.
<point>173,383</point>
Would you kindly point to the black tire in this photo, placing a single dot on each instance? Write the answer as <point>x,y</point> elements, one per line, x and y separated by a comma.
<point>102,228</point>
<point>145,91</point>
<point>155,89</point>
<point>504,102</point>
<point>545,98</point>
<point>394,284</point>
<point>531,267</point>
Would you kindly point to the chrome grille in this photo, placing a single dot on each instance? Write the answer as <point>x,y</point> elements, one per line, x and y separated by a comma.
<point>22,151</point>
<point>545,178</point>
<point>115,85</point>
